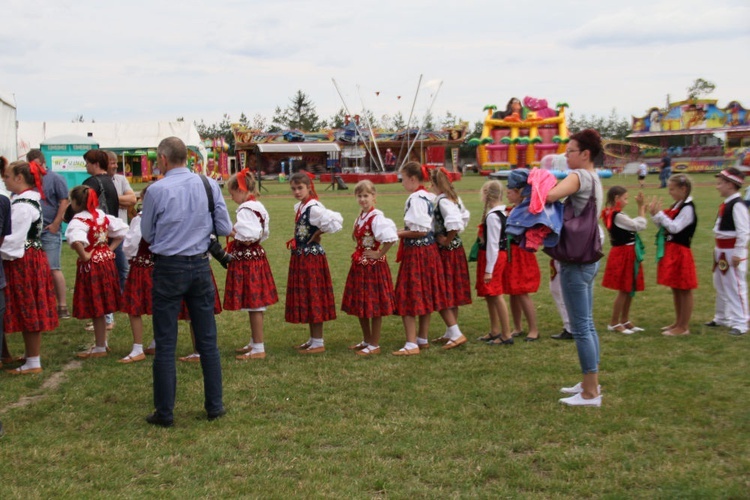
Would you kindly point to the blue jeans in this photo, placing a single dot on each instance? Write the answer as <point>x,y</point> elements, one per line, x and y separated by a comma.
<point>664,176</point>
<point>52,244</point>
<point>122,266</point>
<point>577,282</point>
<point>189,278</point>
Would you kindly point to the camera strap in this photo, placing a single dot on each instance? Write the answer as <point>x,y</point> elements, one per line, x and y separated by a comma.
<point>210,196</point>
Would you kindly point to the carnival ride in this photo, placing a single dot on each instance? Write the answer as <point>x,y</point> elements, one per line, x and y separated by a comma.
<point>698,135</point>
<point>520,136</point>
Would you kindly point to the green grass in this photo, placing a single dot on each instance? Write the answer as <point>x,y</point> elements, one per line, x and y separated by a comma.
<point>476,421</point>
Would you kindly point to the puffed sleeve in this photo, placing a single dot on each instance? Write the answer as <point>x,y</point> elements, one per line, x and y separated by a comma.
<point>636,225</point>
<point>417,216</point>
<point>451,215</point>
<point>21,217</point>
<point>248,227</point>
<point>133,238</point>
<point>674,226</point>
<point>494,231</point>
<point>77,231</point>
<point>327,220</point>
<point>117,228</point>
<point>465,214</point>
<point>384,229</point>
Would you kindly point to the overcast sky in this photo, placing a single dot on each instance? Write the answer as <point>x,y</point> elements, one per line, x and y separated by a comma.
<point>141,60</point>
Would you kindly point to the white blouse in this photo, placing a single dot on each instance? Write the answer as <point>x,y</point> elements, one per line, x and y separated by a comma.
<point>78,230</point>
<point>417,211</point>
<point>492,238</point>
<point>22,216</point>
<point>383,228</point>
<point>683,219</point>
<point>248,227</point>
<point>326,220</point>
<point>455,215</point>
<point>133,238</point>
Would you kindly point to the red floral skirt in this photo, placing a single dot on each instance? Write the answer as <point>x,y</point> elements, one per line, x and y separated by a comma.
<point>369,291</point>
<point>30,303</point>
<point>97,289</point>
<point>420,283</point>
<point>521,273</point>
<point>495,286</point>
<point>249,285</point>
<point>618,275</point>
<point>309,290</point>
<point>136,299</point>
<point>677,268</point>
<point>456,271</point>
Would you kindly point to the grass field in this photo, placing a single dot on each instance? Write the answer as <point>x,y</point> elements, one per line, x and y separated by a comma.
<point>476,421</point>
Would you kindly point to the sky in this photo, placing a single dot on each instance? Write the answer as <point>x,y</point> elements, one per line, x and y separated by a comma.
<point>144,60</point>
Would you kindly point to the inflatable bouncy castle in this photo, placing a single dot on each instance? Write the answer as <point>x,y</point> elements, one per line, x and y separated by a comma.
<point>521,135</point>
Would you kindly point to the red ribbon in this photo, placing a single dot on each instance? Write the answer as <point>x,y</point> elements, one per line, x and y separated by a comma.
<point>425,172</point>
<point>92,203</point>
<point>37,170</point>
<point>313,193</point>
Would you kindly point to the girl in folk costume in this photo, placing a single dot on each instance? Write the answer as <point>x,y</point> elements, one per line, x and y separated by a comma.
<point>29,292</point>
<point>97,288</point>
<point>624,272</point>
<point>676,267</point>
<point>522,276</point>
<point>420,286</point>
<point>136,299</point>
<point>249,286</point>
<point>368,294</point>
<point>492,258</point>
<point>449,218</point>
<point>309,297</point>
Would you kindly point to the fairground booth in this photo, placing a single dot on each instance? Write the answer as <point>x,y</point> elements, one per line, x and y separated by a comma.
<point>134,143</point>
<point>350,154</point>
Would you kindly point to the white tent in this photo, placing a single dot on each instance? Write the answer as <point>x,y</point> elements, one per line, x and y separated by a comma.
<point>115,136</point>
<point>8,126</point>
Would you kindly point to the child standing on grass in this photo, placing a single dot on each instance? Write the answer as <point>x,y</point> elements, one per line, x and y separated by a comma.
<point>450,218</point>
<point>731,232</point>
<point>309,291</point>
<point>97,288</point>
<point>249,285</point>
<point>420,285</point>
<point>30,305</point>
<point>137,300</point>
<point>491,261</point>
<point>624,271</point>
<point>676,267</point>
<point>368,294</point>
<point>522,276</point>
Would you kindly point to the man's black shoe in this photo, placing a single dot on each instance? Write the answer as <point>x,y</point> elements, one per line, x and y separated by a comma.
<point>154,420</point>
<point>214,416</point>
<point>563,335</point>
<point>711,323</point>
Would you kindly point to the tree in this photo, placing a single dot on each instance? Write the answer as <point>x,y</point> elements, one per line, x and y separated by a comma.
<point>337,120</point>
<point>398,122</point>
<point>611,127</point>
<point>449,120</point>
<point>222,129</point>
<point>299,114</point>
<point>700,88</point>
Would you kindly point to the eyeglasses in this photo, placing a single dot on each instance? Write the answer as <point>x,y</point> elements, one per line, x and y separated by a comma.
<point>572,151</point>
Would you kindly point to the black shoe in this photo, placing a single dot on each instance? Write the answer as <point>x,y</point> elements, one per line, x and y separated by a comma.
<point>154,420</point>
<point>563,335</point>
<point>735,332</point>
<point>214,416</point>
<point>531,339</point>
<point>500,341</point>
<point>711,323</point>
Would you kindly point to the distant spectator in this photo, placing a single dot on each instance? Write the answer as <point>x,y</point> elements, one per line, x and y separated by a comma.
<point>54,204</point>
<point>666,170</point>
<point>126,199</point>
<point>642,172</point>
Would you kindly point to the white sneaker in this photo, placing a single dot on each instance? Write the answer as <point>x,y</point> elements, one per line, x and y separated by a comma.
<point>616,328</point>
<point>577,389</point>
<point>577,400</point>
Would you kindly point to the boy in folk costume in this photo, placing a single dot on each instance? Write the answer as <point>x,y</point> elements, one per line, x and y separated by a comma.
<point>731,231</point>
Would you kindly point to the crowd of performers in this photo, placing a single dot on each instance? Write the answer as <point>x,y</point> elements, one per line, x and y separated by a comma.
<point>433,270</point>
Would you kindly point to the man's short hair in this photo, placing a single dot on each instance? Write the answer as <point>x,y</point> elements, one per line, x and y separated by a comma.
<point>35,154</point>
<point>174,149</point>
<point>111,154</point>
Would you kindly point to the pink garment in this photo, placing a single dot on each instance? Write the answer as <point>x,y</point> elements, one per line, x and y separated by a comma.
<point>541,182</point>
<point>535,237</point>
